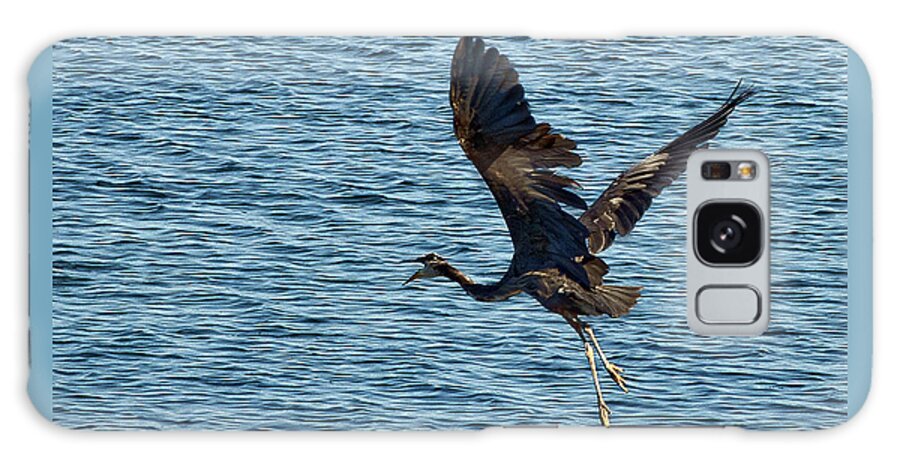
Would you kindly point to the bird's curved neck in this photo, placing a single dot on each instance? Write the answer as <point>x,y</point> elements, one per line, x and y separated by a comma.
<point>496,292</point>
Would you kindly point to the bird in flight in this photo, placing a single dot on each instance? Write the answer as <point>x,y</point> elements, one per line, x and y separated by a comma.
<point>554,259</point>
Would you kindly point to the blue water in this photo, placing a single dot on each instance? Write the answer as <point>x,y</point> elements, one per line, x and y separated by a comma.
<point>231,216</point>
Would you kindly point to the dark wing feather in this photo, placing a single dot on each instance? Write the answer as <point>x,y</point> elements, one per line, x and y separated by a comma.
<point>516,157</point>
<point>627,198</point>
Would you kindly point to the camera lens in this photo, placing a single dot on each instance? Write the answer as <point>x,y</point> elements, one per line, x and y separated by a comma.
<point>728,233</point>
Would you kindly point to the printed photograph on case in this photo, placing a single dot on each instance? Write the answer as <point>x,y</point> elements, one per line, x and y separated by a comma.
<point>257,232</point>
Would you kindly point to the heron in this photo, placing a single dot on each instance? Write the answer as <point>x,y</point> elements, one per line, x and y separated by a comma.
<point>555,255</point>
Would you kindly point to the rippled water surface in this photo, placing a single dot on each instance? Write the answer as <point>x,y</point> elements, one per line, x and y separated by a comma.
<point>231,216</point>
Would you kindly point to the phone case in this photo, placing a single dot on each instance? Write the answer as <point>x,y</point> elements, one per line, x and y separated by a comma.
<point>221,229</point>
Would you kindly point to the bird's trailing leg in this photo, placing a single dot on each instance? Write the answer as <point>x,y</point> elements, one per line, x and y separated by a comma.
<point>615,372</point>
<point>589,352</point>
<point>604,409</point>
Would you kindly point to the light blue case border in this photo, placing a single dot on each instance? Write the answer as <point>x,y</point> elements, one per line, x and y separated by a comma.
<point>860,236</point>
<point>40,233</point>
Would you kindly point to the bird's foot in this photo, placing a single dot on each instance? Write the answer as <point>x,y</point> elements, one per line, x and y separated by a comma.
<point>604,412</point>
<point>615,373</point>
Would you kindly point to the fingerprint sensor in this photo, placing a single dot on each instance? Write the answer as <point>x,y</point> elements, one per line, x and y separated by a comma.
<point>720,304</point>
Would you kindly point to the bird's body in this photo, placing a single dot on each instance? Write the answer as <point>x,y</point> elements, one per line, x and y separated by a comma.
<point>554,259</point>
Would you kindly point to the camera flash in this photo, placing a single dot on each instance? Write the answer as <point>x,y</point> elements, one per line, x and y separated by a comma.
<point>746,170</point>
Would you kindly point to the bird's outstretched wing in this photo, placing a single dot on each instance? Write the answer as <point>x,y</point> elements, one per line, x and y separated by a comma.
<point>627,198</point>
<point>516,158</point>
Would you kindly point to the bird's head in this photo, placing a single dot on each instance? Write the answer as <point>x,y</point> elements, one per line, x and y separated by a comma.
<point>433,265</point>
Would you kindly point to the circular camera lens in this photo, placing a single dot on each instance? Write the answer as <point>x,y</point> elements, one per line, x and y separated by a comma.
<point>726,235</point>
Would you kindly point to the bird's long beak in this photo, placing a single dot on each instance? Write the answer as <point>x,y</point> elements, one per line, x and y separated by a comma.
<point>415,276</point>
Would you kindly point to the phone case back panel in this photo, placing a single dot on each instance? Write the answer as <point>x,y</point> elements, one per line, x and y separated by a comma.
<point>233,220</point>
